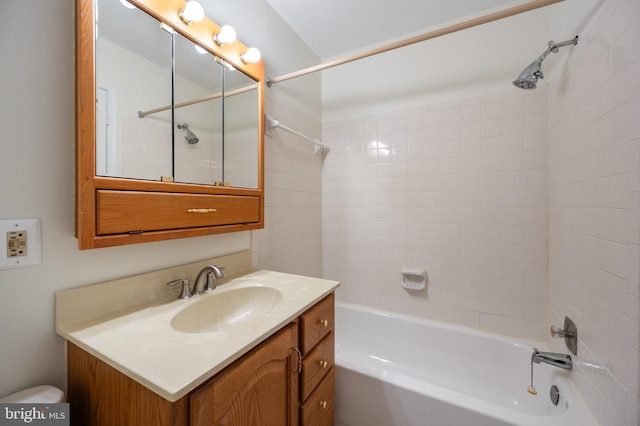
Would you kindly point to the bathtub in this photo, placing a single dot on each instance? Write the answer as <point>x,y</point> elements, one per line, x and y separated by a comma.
<point>398,370</point>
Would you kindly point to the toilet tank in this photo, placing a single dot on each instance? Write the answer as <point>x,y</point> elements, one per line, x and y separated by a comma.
<point>44,394</point>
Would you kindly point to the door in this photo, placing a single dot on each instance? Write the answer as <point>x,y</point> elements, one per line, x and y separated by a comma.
<point>261,388</point>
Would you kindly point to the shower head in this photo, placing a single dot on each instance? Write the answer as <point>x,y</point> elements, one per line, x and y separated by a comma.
<point>191,137</point>
<point>528,78</point>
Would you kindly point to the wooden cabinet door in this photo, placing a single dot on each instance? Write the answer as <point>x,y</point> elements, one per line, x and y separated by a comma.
<point>261,388</point>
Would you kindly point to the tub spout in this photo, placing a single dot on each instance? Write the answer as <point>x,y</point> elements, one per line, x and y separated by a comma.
<point>556,359</point>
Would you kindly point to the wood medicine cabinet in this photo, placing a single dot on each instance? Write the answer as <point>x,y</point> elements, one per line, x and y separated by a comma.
<point>169,126</point>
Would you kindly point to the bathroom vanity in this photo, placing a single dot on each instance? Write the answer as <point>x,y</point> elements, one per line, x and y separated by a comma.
<point>129,365</point>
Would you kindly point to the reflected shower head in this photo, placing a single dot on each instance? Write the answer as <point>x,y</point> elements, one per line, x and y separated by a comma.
<point>528,78</point>
<point>191,137</point>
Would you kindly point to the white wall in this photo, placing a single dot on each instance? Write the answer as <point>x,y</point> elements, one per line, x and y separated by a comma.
<point>457,189</point>
<point>37,171</point>
<point>292,238</point>
<point>594,215</point>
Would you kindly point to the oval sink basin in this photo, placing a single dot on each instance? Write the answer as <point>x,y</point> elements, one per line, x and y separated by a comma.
<point>226,309</point>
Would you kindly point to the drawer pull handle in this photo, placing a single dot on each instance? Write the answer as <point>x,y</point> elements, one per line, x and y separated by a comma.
<point>323,364</point>
<point>201,210</point>
<point>323,323</point>
<point>323,404</point>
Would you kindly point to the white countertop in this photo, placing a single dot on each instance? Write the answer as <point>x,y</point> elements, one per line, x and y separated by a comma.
<point>140,342</point>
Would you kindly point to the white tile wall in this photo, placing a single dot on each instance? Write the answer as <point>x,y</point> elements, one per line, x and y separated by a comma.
<point>291,240</point>
<point>594,192</point>
<point>458,189</point>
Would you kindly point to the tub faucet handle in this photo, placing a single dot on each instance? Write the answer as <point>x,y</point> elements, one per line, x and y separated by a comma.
<point>570,334</point>
<point>557,332</point>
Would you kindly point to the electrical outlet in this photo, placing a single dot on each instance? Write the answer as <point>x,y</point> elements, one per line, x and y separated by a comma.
<point>17,243</point>
<point>22,240</point>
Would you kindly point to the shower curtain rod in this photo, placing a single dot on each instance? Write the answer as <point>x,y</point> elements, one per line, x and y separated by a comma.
<point>532,5</point>
<point>143,114</point>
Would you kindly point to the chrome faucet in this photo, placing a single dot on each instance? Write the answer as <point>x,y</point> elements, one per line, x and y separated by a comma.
<point>556,359</point>
<point>211,272</point>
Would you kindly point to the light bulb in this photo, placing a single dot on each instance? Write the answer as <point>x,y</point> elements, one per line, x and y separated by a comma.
<point>226,35</point>
<point>200,50</point>
<point>126,4</point>
<point>192,12</point>
<point>251,56</point>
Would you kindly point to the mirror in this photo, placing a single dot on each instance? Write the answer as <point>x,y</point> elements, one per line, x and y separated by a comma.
<point>240,104</point>
<point>174,111</point>
<point>198,127</point>
<point>169,126</point>
<point>127,146</point>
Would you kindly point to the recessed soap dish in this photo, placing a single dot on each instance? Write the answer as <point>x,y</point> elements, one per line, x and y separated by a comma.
<point>414,279</point>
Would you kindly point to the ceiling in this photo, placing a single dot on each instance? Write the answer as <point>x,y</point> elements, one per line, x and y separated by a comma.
<point>335,27</point>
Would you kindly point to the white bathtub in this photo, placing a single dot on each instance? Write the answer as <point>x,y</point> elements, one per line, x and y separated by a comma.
<point>398,370</point>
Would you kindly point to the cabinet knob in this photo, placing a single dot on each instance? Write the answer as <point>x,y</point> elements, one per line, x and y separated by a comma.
<point>323,404</point>
<point>323,323</point>
<point>323,364</point>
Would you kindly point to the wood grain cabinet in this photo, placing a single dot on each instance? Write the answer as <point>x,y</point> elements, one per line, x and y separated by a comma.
<point>317,377</point>
<point>258,389</point>
<point>269,385</point>
<point>139,179</point>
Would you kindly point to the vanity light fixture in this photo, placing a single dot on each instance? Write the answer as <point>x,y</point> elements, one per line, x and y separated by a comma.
<point>126,4</point>
<point>226,35</point>
<point>192,12</point>
<point>251,56</point>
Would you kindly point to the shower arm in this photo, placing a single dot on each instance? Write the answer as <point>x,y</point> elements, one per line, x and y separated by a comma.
<point>554,47</point>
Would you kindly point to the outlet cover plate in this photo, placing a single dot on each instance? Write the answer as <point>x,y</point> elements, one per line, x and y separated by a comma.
<point>34,242</point>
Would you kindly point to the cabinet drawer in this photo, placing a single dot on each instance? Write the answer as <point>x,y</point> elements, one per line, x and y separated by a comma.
<point>133,211</point>
<point>316,323</point>
<point>320,403</point>
<point>316,364</point>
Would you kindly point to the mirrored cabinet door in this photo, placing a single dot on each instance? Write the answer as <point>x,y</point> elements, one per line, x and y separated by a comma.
<point>133,74</point>
<point>241,129</point>
<point>198,127</point>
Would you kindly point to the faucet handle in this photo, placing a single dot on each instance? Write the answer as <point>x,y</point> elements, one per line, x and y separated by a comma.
<point>185,293</point>
<point>209,285</point>
<point>213,273</point>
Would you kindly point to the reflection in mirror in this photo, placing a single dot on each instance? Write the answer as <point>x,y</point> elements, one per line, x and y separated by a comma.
<point>198,134</point>
<point>132,74</point>
<point>168,109</point>
<point>241,110</point>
